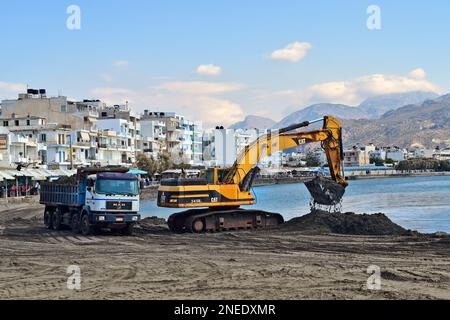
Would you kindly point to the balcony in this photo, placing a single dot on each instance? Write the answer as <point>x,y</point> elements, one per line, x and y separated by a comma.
<point>173,128</point>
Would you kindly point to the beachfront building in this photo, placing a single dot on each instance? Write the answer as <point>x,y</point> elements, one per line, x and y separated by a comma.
<point>153,136</point>
<point>124,121</point>
<point>56,110</point>
<point>422,153</point>
<point>397,154</point>
<point>17,148</point>
<point>356,157</point>
<point>442,154</point>
<point>222,147</point>
<point>179,137</point>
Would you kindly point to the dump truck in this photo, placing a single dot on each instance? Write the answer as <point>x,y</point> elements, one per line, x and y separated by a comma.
<point>94,199</point>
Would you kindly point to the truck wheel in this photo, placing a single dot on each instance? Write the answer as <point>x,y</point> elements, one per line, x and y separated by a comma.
<point>75,223</point>
<point>128,230</point>
<point>48,217</point>
<point>86,228</point>
<point>56,220</point>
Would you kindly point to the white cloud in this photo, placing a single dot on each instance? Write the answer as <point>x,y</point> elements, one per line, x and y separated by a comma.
<point>209,70</point>
<point>293,52</point>
<point>198,101</point>
<point>418,74</point>
<point>200,87</point>
<point>121,63</point>
<point>354,91</point>
<point>114,95</point>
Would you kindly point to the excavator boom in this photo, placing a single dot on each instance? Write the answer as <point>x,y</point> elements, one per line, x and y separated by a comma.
<point>323,191</point>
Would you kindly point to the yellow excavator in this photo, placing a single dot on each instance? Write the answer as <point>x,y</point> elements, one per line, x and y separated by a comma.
<point>214,199</point>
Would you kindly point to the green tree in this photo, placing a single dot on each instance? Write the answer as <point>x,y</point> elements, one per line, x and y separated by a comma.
<point>160,165</point>
<point>377,161</point>
<point>147,164</point>
<point>312,160</point>
<point>389,161</point>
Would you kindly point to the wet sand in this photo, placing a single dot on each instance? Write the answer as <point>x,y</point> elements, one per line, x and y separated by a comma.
<point>264,264</point>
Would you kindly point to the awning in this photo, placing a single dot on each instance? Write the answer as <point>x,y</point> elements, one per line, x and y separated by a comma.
<point>85,136</point>
<point>136,171</point>
<point>67,173</point>
<point>36,174</point>
<point>57,173</point>
<point>16,173</point>
<point>32,144</point>
<point>26,173</point>
<point>6,176</point>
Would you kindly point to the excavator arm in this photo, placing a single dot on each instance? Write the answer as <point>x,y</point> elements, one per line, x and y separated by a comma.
<point>330,137</point>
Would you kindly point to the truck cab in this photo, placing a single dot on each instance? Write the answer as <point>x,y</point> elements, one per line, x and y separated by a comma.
<point>112,198</point>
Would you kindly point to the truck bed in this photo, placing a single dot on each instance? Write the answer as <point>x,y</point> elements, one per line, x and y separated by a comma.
<point>58,194</point>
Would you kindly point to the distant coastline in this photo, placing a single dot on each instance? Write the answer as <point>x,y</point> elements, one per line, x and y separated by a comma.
<point>260,182</point>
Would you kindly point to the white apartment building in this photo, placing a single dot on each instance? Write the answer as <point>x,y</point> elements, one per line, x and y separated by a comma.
<point>423,153</point>
<point>179,137</point>
<point>153,137</point>
<point>396,154</point>
<point>17,148</point>
<point>442,154</point>
<point>223,146</point>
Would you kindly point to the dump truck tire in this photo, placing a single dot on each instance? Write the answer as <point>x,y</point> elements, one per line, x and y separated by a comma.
<point>56,220</point>
<point>75,224</point>
<point>48,217</point>
<point>86,228</point>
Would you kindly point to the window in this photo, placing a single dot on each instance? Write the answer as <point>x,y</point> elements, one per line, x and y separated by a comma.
<point>61,139</point>
<point>43,137</point>
<point>63,108</point>
<point>5,123</point>
<point>16,123</point>
<point>117,186</point>
<point>28,122</point>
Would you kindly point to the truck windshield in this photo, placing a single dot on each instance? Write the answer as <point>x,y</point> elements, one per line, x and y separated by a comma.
<point>114,186</point>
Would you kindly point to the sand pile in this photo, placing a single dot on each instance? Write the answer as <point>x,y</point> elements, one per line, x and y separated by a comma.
<point>152,221</point>
<point>320,222</point>
<point>71,181</point>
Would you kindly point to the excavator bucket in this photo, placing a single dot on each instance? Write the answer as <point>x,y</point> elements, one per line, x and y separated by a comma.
<point>325,191</point>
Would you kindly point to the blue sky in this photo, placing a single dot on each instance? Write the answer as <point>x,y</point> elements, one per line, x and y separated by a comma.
<point>148,52</point>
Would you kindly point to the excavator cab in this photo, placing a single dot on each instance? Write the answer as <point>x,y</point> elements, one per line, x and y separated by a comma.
<point>215,175</point>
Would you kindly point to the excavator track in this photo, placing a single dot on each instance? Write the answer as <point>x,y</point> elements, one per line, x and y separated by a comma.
<point>217,220</point>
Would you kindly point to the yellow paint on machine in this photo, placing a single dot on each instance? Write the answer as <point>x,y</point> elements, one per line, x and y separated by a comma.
<point>208,204</point>
<point>191,196</point>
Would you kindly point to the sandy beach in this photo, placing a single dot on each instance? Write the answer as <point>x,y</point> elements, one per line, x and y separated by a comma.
<point>262,264</point>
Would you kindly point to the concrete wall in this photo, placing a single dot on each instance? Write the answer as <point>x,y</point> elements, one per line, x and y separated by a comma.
<point>55,110</point>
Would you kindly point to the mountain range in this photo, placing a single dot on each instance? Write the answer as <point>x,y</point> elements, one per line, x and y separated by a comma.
<point>426,124</point>
<point>376,106</point>
<point>404,120</point>
<point>252,122</point>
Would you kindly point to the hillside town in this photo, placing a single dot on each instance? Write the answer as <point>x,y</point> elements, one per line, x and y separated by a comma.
<point>54,133</point>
